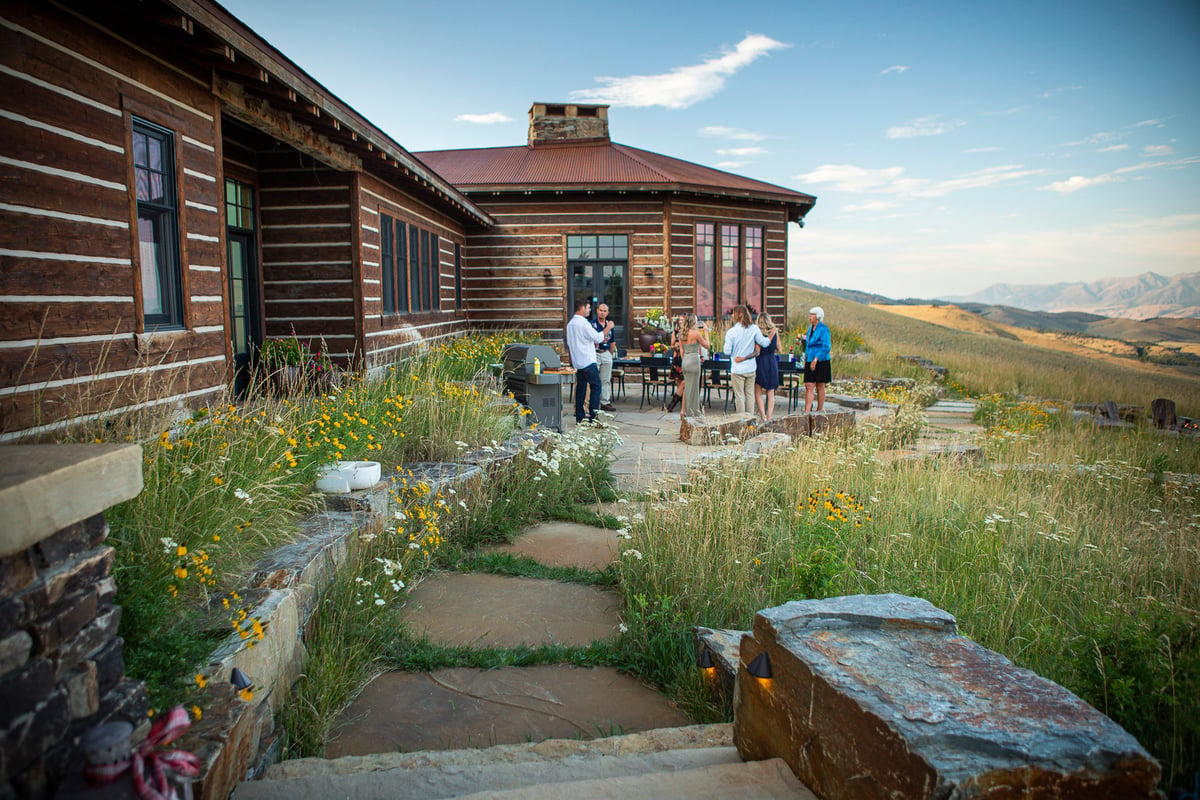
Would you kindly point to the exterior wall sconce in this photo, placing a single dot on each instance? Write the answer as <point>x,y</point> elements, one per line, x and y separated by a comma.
<point>705,661</point>
<point>760,667</point>
<point>649,274</point>
<point>546,274</point>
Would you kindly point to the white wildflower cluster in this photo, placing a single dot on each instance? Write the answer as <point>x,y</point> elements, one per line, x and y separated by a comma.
<point>243,495</point>
<point>633,553</point>
<point>169,545</point>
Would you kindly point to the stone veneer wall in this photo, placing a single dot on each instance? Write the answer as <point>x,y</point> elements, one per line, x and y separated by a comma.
<point>62,671</point>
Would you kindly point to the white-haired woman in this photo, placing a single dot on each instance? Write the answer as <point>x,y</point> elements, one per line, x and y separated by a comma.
<point>816,359</point>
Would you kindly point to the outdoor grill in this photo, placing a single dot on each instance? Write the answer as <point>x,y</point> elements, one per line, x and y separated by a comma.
<point>541,393</point>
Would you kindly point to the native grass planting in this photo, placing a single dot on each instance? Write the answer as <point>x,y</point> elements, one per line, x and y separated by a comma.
<point>1074,551</point>
<point>226,483</point>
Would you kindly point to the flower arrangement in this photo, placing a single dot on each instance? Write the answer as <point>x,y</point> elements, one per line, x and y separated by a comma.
<point>658,318</point>
<point>659,348</point>
<point>283,352</point>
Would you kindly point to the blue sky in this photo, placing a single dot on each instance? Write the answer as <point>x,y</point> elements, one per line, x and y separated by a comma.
<point>951,145</point>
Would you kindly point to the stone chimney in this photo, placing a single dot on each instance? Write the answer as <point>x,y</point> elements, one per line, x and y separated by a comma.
<point>567,122</point>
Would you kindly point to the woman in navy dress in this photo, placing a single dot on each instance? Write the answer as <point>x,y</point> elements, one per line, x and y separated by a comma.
<point>766,379</point>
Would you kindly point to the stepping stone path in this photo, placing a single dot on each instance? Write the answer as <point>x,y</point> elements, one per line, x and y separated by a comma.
<point>461,708</point>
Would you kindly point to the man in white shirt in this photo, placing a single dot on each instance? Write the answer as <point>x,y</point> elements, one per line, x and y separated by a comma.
<point>582,339</point>
<point>739,344</point>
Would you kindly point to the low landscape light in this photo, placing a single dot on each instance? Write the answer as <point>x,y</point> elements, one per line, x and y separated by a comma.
<point>240,680</point>
<point>760,667</point>
<point>705,660</point>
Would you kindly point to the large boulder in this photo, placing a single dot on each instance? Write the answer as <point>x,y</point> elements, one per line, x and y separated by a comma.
<point>877,696</point>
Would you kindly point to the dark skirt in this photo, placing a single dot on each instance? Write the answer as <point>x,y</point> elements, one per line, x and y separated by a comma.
<point>821,374</point>
<point>676,367</point>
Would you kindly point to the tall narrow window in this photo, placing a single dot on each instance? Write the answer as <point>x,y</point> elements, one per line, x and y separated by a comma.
<point>754,268</point>
<point>387,264</point>
<point>400,266</point>
<point>432,268</point>
<point>730,268</point>
<point>414,267</point>
<point>458,287</point>
<point>705,268</point>
<point>157,225</point>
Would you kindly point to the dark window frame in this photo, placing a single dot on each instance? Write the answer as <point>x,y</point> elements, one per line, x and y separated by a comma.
<point>163,218</point>
<point>741,251</point>
<point>458,285</point>
<point>387,264</point>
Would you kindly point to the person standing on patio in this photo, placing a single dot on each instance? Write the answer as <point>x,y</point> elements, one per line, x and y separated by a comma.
<point>816,359</point>
<point>604,358</point>
<point>739,344</point>
<point>766,374</point>
<point>582,339</point>
<point>695,337</point>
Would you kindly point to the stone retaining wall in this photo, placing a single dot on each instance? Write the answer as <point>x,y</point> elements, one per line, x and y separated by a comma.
<point>62,670</point>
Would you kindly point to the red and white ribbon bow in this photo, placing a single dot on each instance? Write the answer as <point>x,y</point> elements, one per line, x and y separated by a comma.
<point>149,764</point>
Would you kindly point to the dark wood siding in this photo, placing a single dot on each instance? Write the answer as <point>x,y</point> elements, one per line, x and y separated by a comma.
<point>388,337</point>
<point>71,343</point>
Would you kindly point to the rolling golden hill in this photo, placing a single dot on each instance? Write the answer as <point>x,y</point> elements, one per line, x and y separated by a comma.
<point>986,356</point>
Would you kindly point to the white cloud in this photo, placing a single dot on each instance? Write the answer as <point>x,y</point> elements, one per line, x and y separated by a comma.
<point>1077,182</point>
<point>892,180</point>
<point>922,126</point>
<point>682,86</point>
<point>1152,150</point>
<point>992,149</point>
<point>732,133</point>
<point>871,205</point>
<point>1112,148</point>
<point>899,69</point>
<point>729,164</point>
<point>1095,138</point>
<point>743,152</point>
<point>1152,123</point>
<point>1046,95</point>
<point>484,119</point>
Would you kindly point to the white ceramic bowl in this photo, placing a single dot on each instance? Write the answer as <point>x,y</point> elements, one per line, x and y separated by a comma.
<point>331,480</point>
<point>361,474</point>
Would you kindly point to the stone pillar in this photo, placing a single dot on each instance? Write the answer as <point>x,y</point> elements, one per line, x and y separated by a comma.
<point>877,696</point>
<point>61,667</point>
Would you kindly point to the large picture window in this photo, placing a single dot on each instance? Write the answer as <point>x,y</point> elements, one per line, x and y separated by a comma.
<point>754,267</point>
<point>729,261</point>
<point>706,249</point>
<point>731,271</point>
<point>157,225</point>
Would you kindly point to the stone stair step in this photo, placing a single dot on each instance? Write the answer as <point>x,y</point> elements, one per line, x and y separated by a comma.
<point>751,780</point>
<point>670,753</point>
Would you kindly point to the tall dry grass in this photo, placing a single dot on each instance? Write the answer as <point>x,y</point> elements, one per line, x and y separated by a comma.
<point>1078,550</point>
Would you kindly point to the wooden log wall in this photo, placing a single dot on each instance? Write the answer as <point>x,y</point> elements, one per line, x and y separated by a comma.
<point>71,344</point>
<point>505,268</point>
<point>306,241</point>
<point>388,337</point>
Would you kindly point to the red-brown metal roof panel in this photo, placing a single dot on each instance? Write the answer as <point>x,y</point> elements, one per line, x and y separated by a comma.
<point>587,163</point>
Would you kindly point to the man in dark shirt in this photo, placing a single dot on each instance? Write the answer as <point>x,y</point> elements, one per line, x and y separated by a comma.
<point>604,357</point>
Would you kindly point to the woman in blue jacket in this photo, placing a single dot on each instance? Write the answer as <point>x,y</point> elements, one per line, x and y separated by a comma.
<point>816,359</point>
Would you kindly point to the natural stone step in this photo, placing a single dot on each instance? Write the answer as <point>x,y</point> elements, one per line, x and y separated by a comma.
<point>691,761</point>
<point>564,544</point>
<point>461,707</point>
<point>480,609</point>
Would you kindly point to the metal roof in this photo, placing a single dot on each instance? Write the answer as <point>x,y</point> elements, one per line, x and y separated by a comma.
<point>596,164</point>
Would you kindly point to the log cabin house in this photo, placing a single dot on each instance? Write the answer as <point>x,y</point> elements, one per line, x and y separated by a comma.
<point>176,190</point>
<point>574,212</point>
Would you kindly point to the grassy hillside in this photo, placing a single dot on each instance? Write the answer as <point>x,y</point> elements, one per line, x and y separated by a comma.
<point>988,360</point>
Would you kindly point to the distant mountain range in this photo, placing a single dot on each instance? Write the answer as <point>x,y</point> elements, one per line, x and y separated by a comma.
<point>1178,326</point>
<point>1145,296</point>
